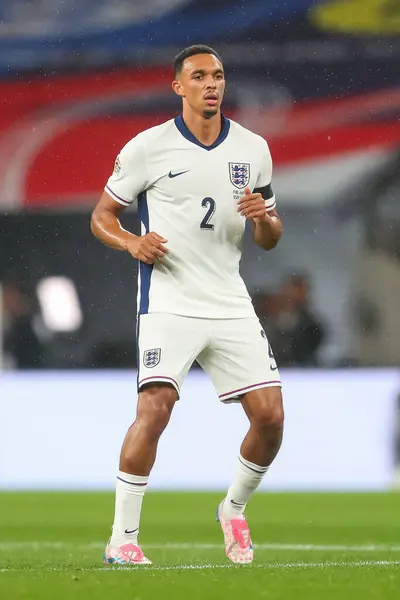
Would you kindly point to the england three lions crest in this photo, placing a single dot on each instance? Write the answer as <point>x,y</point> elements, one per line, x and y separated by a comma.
<point>239,174</point>
<point>152,357</point>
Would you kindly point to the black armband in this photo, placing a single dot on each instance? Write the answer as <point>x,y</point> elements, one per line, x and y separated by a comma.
<point>266,192</point>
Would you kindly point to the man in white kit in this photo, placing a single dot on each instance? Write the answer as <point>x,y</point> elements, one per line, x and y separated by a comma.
<point>197,179</point>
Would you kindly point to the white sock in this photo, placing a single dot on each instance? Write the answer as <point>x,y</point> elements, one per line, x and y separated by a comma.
<point>247,479</point>
<point>128,504</point>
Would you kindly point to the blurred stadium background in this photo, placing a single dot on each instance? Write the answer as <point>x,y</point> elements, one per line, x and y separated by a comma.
<point>321,81</point>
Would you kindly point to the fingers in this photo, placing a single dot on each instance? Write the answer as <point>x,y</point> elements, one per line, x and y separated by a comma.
<point>145,255</point>
<point>155,241</point>
<point>162,249</point>
<point>252,208</point>
<point>158,251</point>
<point>149,254</point>
<point>255,214</point>
<point>144,259</point>
<point>249,199</point>
<point>151,248</point>
<point>157,237</point>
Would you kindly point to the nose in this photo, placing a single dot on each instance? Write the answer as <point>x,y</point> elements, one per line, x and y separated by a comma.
<point>210,82</point>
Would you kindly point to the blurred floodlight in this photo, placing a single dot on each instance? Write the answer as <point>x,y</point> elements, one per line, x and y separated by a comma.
<point>59,304</point>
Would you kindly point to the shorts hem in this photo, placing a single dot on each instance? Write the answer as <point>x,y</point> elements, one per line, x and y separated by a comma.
<point>159,379</point>
<point>234,395</point>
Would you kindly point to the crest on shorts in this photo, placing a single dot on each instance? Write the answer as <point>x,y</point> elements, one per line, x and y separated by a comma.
<point>239,174</point>
<point>152,357</point>
<point>117,166</point>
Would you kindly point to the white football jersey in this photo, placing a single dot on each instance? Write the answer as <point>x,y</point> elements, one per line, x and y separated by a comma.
<point>188,193</point>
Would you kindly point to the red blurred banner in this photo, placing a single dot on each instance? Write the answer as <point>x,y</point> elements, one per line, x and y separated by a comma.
<point>59,135</point>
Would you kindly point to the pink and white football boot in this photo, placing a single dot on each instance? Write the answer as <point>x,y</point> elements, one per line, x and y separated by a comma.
<point>238,546</point>
<point>128,554</point>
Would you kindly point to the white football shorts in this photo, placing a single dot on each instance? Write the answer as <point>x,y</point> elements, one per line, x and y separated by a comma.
<point>235,353</point>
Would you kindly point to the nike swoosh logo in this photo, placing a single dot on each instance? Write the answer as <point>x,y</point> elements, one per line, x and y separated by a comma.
<point>172,175</point>
<point>133,530</point>
<point>274,368</point>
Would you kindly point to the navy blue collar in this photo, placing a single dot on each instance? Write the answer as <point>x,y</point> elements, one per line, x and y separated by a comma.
<point>225,125</point>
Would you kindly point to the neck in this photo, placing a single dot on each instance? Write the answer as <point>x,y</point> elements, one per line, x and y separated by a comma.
<point>205,130</point>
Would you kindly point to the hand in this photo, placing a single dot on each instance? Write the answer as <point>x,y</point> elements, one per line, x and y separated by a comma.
<point>252,206</point>
<point>148,248</point>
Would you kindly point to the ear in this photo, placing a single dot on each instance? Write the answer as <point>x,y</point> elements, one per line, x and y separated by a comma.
<point>178,88</point>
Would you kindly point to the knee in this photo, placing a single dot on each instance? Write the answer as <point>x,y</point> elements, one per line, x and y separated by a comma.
<point>271,419</point>
<point>269,415</point>
<point>155,408</point>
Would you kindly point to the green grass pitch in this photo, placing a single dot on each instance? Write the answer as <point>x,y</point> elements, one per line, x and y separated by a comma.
<point>307,546</point>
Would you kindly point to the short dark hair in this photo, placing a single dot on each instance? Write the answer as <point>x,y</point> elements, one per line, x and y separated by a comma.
<point>192,51</point>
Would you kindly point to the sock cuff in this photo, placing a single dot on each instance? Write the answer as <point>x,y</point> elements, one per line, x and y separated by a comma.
<point>253,467</point>
<point>133,479</point>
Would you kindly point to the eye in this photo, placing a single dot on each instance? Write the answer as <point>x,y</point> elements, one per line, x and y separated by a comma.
<point>198,76</point>
<point>219,76</point>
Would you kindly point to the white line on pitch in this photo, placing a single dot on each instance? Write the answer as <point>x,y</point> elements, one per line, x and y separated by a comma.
<point>293,565</point>
<point>40,545</point>
<point>301,547</point>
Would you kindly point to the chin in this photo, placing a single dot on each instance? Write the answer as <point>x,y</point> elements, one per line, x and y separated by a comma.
<point>210,112</point>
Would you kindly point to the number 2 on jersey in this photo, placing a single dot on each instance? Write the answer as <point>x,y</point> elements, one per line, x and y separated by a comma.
<point>210,204</point>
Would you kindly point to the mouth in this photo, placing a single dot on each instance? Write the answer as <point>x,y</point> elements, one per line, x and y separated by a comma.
<point>211,98</point>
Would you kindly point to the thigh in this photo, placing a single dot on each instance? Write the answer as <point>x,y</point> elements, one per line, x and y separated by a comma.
<point>264,405</point>
<point>239,358</point>
<point>167,346</point>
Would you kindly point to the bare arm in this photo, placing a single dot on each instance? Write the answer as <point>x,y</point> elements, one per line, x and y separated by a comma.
<point>105,224</point>
<point>106,227</point>
<point>267,230</point>
<point>267,226</point>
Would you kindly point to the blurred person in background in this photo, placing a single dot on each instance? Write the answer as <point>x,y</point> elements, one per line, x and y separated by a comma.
<point>294,330</point>
<point>22,345</point>
<point>269,306</point>
<point>301,333</point>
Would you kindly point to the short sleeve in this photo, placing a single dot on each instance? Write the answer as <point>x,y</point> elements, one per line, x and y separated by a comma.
<point>129,177</point>
<point>263,184</point>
